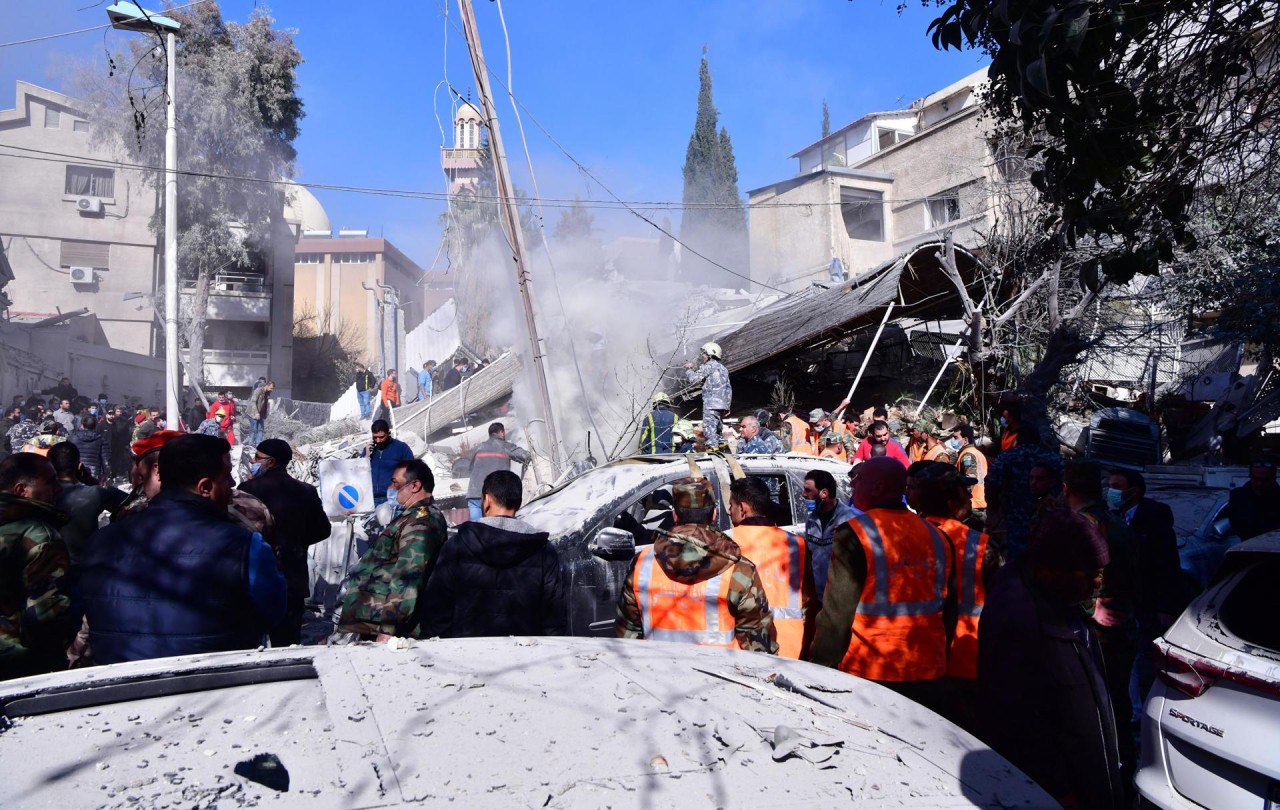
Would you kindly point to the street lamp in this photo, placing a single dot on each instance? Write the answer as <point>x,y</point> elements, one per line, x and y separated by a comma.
<point>128,16</point>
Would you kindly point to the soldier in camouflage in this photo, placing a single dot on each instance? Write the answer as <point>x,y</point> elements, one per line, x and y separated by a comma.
<point>36,620</point>
<point>382,593</point>
<point>717,393</point>
<point>694,551</point>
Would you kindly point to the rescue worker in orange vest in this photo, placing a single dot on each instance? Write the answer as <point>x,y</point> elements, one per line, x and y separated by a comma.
<point>889,610</point>
<point>781,560</point>
<point>935,445</point>
<point>1010,425</point>
<point>943,500</point>
<point>693,585</point>
<point>916,444</point>
<point>971,462</point>
<point>832,447</point>
<point>796,432</point>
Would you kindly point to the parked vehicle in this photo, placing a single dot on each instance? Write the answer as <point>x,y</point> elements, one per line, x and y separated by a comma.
<point>598,519</point>
<point>1201,552</point>
<point>1211,724</point>
<point>1123,437</point>
<point>478,723</point>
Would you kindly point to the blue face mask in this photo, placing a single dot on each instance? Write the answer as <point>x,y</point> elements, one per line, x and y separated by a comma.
<point>1004,423</point>
<point>1115,499</point>
<point>953,444</point>
<point>393,495</point>
<point>810,506</point>
<point>254,469</point>
<point>93,411</point>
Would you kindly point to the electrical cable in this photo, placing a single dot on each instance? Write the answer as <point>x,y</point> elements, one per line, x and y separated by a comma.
<point>87,30</point>
<point>616,204</point>
<point>542,229</point>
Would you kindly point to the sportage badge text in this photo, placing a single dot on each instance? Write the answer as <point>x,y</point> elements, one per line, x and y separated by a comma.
<point>1191,721</point>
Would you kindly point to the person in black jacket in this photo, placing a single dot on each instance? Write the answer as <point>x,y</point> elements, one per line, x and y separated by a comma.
<point>119,431</point>
<point>1160,595</point>
<point>94,447</point>
<point>498,577</point>
<point>1043,700</point>
<point>300,523</point>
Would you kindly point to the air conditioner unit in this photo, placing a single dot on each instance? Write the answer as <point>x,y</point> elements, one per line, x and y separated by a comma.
<point>81,275</point>
<point>89,205</point>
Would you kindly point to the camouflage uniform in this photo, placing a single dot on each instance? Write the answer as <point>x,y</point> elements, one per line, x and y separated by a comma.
<point>717,398</point>
<point>382,592</point>
<point>766,441</point>
<point>1010,502</point>
<point>22,433</point>
<point>36,621</point>
<point>692,553</point>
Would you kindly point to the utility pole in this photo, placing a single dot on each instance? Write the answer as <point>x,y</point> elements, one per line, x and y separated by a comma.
<point>511,216</point>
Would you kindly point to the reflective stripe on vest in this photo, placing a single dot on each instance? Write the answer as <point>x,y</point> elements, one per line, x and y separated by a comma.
<point>937,453</point>
<point>979,492</point>
<point>800,436</point>
<point>778,556</point>
<point>882,606</point>
<point>711,634</point>
<point>898,631</point>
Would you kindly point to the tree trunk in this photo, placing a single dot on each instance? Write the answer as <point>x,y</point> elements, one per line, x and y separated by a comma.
<point>1063,349</point>
<point>195,333</point>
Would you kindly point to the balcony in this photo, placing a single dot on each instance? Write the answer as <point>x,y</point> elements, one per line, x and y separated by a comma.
<point>235,298</point>
<point>232,368</point>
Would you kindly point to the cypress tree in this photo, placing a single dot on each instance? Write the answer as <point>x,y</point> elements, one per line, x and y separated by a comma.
<point>826,119</point>
<point>711,176</point>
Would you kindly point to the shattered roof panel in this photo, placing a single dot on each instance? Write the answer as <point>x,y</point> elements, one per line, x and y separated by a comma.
<point>536,722</point>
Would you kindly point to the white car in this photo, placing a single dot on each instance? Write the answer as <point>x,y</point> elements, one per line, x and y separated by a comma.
<point>1211,725</point>
<point>478,723</point>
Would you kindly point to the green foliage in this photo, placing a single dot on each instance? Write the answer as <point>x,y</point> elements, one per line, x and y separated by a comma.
<point>716,223</point>
<point>1135,105</point>
<point>238,113</point>
<point>826,119</point>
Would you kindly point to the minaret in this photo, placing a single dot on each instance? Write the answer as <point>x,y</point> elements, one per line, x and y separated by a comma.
<point>461,162</point>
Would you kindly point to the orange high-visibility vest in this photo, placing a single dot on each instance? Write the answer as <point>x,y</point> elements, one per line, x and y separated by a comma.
<point>938,453</point>
<point>1009,440</point>
<point>837,451</point>
<point>971,549</point>
<point>978,495</point>
<point>779,557</point>
<point>898,632</point>
<point>916,452</point>
<point>672,611</point>
<point>800,440</point>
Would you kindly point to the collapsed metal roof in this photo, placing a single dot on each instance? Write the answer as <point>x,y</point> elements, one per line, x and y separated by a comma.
<point>914,279</point>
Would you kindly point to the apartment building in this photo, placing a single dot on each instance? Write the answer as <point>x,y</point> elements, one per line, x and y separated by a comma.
<point>874,189</point>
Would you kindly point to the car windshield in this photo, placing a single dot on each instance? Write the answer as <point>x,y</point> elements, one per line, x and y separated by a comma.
<point>572,506</point>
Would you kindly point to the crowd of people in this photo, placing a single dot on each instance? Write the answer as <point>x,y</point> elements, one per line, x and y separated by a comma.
<point>376,397</point>
<point>1000,585</point>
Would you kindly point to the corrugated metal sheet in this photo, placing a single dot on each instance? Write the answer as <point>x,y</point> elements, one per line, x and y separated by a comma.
<point>436,338</point>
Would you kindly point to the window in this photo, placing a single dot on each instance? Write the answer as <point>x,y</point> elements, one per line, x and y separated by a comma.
<point>309,258</point>
<point>863,213</point>
<point>85,254</point>
<point>86,181</point>
<point>51,118</point>
<point>354,258</point>
<point>944,208</point>
<point>80,126</point>
<point>888,137</point>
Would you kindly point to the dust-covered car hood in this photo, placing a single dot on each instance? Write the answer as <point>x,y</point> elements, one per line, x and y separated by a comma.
<point>486,723</point>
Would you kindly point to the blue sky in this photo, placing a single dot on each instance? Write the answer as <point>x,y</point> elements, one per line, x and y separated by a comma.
<point>615,82</point>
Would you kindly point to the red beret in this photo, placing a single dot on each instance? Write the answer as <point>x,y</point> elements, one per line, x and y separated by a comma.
<point>155,441</point>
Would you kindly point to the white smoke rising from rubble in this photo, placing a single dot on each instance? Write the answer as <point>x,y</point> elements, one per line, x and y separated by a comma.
<point>627,334</point>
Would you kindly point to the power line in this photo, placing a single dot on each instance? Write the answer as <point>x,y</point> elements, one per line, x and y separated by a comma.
<point>86,30</point>
<point>616,204</point>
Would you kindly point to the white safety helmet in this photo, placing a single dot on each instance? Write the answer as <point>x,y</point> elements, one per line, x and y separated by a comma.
<point>712,350</point>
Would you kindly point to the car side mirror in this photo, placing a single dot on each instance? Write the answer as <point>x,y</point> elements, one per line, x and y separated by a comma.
<point>1221,529</point>
<point>614,544</point>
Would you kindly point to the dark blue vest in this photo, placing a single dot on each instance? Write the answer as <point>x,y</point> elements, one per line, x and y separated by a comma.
<point>171,580</point>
